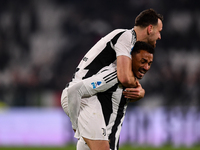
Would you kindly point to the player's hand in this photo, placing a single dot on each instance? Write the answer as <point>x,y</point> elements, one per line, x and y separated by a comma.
<point>134,94</point>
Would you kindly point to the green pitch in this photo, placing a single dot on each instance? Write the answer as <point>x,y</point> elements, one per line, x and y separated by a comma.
<point>126,147</point>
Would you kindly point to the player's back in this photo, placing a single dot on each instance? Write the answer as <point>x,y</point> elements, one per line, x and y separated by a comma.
<point>100,55</point>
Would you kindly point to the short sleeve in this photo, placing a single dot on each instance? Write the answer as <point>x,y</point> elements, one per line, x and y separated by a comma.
<point>124,45</point>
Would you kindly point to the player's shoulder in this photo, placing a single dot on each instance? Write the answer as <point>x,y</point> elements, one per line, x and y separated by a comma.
<point>124,34</point>
<point>126,31</point>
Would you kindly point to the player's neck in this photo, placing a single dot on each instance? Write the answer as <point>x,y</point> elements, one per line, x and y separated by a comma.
<point>141,33</point>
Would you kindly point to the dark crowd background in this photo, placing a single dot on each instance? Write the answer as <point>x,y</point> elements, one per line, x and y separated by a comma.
<point>42,42</point>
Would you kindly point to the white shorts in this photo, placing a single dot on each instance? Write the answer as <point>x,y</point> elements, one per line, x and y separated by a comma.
<point>91,123</point>
<point>81,145</point>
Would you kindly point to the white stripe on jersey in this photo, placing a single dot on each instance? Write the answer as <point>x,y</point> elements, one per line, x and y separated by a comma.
<point>104,52</point>
<point>114,107</point>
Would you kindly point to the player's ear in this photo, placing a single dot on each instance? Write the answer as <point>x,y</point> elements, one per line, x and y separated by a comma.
<point>149,29</point>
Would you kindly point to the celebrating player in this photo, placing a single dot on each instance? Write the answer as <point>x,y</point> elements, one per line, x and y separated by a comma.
<point>107,62</point>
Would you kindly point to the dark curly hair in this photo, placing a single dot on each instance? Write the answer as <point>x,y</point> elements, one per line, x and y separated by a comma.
<point>139,45</point>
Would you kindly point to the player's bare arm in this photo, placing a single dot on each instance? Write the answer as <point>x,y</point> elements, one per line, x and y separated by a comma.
<point>124,72</point>
<point>134,94</point>
<point>141,63</point>
<point>134,90</point>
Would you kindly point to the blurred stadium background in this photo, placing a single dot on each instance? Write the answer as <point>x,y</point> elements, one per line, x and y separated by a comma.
<point>41,43</point>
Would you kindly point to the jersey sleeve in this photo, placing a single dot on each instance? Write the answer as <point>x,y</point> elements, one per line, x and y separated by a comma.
<point>124,45</point>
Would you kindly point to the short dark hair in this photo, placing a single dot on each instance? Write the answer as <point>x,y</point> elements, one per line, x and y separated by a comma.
<point>139,45</point>
<point>147,17</point>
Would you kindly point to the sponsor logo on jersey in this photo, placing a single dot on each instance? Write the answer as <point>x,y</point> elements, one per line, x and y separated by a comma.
<point>95,84</point>
<point>85,58</point>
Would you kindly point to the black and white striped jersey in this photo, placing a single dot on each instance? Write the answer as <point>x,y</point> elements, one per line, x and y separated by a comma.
<point>114,106</point>
<point>104,52</point>
<point>100,57</point>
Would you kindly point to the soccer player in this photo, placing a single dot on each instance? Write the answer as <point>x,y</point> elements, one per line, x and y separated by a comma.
<point>103,118</point>
<point>112,51</point>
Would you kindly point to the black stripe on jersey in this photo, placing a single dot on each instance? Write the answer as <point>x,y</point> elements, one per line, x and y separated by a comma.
<point>111,79</point>
<point>110,76</point>
<point>120,114</point>
<point>114,40</point>
<point>105,98</point>
<point>105,58</point>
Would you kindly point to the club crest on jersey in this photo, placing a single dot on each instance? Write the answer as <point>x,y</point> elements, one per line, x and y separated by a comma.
<point>104,131</point>
<point>95,84</point>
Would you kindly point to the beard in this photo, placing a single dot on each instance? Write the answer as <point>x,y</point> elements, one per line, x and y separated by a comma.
<point>152,43</point>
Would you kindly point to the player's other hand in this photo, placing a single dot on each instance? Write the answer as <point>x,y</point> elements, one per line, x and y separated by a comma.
<point>134,94</point>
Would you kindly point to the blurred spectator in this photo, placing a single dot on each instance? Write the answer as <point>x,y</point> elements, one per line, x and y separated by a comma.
<point>41,42</point>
